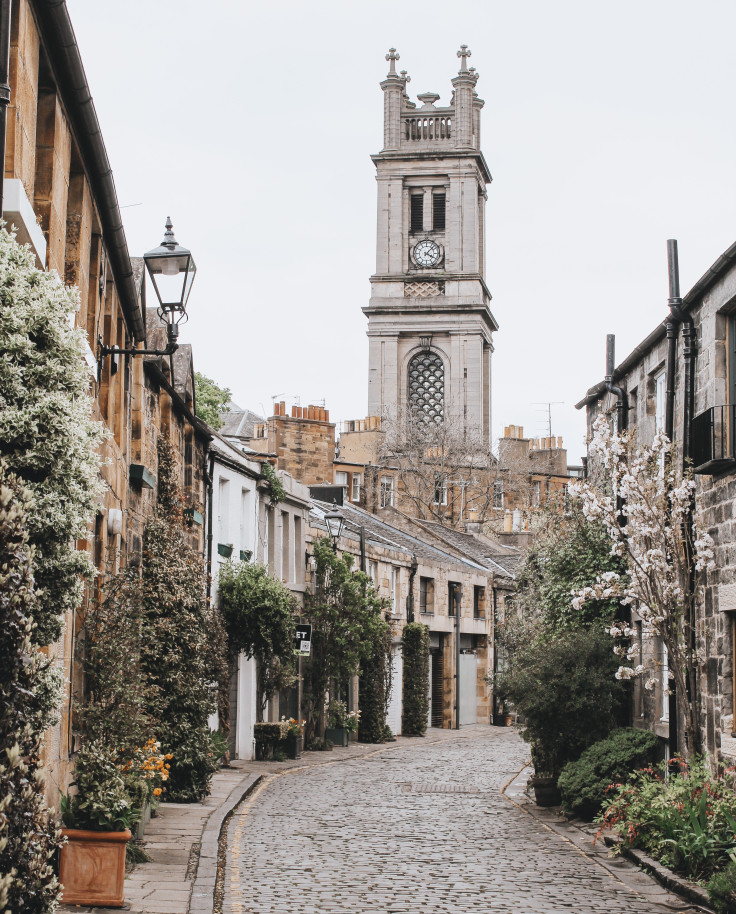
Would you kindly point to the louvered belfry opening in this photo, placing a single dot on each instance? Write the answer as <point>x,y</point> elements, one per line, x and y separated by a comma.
<point>427,387</point>
<point>417,212</point>
<point>438,212</point>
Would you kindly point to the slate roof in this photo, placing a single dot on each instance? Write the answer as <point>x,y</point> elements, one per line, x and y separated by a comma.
<point>238,423</point>
<point>503,560</point>
<point>380,533</point>
<point>183,359</point>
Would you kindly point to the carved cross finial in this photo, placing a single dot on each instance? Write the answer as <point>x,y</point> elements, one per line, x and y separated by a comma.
<point>464,53</point>
<point>405,76</point>
<point>392,57</point>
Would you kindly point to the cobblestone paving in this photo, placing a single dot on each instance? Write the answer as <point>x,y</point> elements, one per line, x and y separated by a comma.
<point>416,830</point>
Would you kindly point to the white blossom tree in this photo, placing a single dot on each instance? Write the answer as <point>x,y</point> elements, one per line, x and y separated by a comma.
<point>645,504</point>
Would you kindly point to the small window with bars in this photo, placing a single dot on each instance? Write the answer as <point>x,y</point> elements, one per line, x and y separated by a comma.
<point>438,211</point>
<point>417,212</point>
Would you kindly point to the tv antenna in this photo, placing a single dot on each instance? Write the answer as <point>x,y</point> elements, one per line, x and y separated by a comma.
<point>547,407</point>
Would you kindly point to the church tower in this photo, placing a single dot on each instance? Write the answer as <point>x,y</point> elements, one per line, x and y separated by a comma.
<point>429,320</point>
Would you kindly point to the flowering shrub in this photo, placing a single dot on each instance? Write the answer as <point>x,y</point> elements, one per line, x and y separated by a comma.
<point>338,717</point>
<point>645,505</point>
<point>292,727</point>
<point>686,821</point>
<point>149,767</point>
<point>48,436</point>
<point>29,837</point>
<point>101,801</point>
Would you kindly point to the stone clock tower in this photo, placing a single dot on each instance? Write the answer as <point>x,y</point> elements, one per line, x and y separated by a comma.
<point>429,320</point>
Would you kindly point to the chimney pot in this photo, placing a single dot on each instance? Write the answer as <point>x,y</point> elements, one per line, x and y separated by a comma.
<point>293,412</point>
<point>327,414</point>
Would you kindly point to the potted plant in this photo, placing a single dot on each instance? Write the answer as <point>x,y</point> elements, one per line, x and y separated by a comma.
<point>97,820</point>
<point>294,737</point>
<point>341,723</point>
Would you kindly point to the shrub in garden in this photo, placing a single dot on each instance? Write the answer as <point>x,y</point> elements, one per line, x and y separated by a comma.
<point>686,821</point>
<point>346,616</point>
<point>259,613</point>
<point>722,890</point>
<point>375,685</point>
<point>28,838</point>
<point>583,783</point>
<point>415,650</point>
<point>564,688</point>
<point>183,649</point>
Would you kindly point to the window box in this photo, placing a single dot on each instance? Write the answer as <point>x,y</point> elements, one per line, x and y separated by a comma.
<point>712,439</point>
<point>225,550</point>
<point>246,555</point>
<point>195,517</point>
<point>142,475</point>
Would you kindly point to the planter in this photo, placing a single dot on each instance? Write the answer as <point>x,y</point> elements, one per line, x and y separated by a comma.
<point>264,750</point>
<point>508,720</point>
<point>92,867</point>
<point>339,736</point>
<point>139,829</point>
<point>545,791</point>
<point>294,745</point>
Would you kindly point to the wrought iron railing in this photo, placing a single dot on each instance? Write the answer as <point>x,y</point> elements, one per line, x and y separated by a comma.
<point>712,439</point>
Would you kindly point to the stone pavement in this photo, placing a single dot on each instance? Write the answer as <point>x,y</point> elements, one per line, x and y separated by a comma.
<point>422,826</point>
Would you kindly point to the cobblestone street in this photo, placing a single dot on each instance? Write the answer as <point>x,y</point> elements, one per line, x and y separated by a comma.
<point>422,827</point>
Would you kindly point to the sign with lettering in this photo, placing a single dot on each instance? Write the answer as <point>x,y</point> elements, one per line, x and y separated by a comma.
<point>303,639</point>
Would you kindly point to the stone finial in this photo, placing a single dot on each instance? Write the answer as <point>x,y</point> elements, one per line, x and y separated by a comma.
<point>428,99</point>
<point>405,76</point>
<point>392,57</point>
<point>463,53</point>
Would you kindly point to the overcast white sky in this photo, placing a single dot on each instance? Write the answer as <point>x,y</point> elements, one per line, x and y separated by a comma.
<point>608,128</point>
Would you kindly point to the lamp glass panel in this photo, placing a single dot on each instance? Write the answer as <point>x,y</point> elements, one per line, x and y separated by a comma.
<point>169,276</point>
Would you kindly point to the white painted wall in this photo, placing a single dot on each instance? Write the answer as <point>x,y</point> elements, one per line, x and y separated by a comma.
<point>393,717</point>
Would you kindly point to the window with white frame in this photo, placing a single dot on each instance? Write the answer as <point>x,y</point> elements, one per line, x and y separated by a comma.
<point>665,683</point>
<point>223,512</point>
<point>536,492</point>
<point>440,489</point>
<point>387,492</point>
<point>373,571</point>
<point>357,482</point>
<point>659,401</point>
<point>341,479</point>
<point>395,597</point>
<point>498,493</point>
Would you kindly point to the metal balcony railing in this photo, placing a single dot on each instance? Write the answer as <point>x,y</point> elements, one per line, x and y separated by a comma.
<point>713,440</point>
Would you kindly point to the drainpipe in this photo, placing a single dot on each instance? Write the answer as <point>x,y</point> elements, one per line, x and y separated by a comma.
<point>210,503</point>
<point>622,406</point>
<point>679,316</point>
<point>410,598</point>
<point>5,8</point>
<point>458,596</point>
<point>363,565</point>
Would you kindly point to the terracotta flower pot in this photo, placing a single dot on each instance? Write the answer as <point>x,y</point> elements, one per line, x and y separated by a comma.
<point>92,867</point>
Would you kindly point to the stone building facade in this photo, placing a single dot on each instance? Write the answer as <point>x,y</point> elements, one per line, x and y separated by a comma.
<point>430,325</point>
<point>59,197</point>
<point>710,449</point>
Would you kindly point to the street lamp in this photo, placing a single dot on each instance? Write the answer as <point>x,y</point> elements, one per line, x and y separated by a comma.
<point>335,521</point>
<point>172,270</point>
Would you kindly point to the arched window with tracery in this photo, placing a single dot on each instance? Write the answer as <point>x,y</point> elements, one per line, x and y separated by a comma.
<point>426,394</point>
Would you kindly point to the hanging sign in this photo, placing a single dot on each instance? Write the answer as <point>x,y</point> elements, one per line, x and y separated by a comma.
<point>303,640</point>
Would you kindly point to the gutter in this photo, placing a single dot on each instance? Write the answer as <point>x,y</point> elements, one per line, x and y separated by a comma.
<point>60,44</point>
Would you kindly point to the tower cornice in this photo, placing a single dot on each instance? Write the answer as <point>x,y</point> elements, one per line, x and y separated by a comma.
<point>431,154</point>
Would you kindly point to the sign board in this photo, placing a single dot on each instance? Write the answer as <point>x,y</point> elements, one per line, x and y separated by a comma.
<point>303,640</point>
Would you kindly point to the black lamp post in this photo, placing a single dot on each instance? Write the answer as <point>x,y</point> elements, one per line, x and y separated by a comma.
<point>172,270</point>
<point>335,521</point>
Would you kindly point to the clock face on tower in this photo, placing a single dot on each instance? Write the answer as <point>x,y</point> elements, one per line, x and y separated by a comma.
<point>427,253</point>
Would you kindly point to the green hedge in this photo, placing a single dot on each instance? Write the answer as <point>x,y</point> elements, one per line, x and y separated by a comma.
<point>266,732</point>
<point>583,783</point>
<point>415,646</point>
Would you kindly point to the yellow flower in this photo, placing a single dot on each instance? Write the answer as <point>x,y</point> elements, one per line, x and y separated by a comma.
<point>157,792</point>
